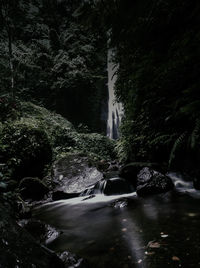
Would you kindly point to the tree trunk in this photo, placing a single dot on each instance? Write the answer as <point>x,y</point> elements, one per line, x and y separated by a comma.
<point>10,50</point>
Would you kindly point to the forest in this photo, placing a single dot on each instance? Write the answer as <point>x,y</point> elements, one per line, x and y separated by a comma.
<point>70,194</point>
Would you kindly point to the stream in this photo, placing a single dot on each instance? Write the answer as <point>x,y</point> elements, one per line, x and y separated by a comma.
<point>128,231</point>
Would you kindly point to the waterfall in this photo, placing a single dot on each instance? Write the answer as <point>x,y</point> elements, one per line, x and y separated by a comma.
<point>115,109</point>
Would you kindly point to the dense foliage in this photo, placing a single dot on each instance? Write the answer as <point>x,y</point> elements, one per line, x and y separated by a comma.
<point>159,82</point>
<point>37,137</point>
<point>48,56</point>
<point>157,44</point>
<point>55,54</point>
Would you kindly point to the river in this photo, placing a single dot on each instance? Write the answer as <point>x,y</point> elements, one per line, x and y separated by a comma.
<point>127,231</point>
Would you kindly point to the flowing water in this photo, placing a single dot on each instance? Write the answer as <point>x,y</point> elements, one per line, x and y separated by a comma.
<point>128,231</point>
<point>115,109</point>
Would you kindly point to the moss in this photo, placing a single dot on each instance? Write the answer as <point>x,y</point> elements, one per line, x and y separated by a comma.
<point>63,136</point>
<point>29,143</point>
<point>25,149</point>
<point>32,188</point>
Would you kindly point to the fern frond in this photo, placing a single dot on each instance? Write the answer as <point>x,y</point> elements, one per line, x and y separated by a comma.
<point>177,145</point>
<point>195,134</point>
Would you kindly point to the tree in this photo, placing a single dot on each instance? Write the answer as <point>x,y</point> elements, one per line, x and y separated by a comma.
<point>8,26</point>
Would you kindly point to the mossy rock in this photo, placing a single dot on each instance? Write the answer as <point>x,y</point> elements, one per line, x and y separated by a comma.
<point>131,170</point>
<point>25,149</point>
<point>32,188</point>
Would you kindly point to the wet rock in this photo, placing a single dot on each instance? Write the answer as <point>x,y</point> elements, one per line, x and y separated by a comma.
<point>112,186</point>
<point>74,174</point>
<point>59,195</point>
<point>32,188</point>
<point>131,170</point>
<point>102,165</point>
<point>3,187</point>
<point>25,211</point>
<point>72,261</point>
<point>41,232</point>
<point>19,249</point>
<point>111,174</point>
<point>152,182</point>
<point>11,185</point>
<point>89,197</point>
<point>120,203</point>
<point>116,186</point>
<point>196,183</point>
<point>113,168</point>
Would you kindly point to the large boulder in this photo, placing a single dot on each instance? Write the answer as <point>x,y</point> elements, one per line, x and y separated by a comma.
<point>117,186</point>
<point>32,188</point>
<point>152,182</point>
<point>74,174</point>
<point>131,170</point>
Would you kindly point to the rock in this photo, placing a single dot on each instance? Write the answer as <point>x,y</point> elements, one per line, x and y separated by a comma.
<point>25,212</point>
<point>120,203</point>
<point>113,168</point>
<point>41,232</point>
<point>131,170</point>
<point>111,174</point>
<point>196,183</point>
<point>12,185</point>
<point>73,174</point>
<point>152,182</point>
<point>3,187</point>
<point>117,186</point>
<point>113,186</point>
<point>71,260</point>
<point>59,195</point>
<point>102,165</point>
<point>19,249</point>
<point>32,188</point>
<point>29,146</point>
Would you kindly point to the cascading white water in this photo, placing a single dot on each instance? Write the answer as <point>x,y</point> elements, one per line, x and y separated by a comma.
<point>115,109</point>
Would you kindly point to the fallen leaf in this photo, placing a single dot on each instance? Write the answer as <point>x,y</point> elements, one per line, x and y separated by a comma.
<point>164,235</point>
<point>124,230</point>
<point>149,253</point>
<point>175,258</point>
<point>140,261</point>
<point>153,244</point>
<point>191,214</point>
<point>90,242</point>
